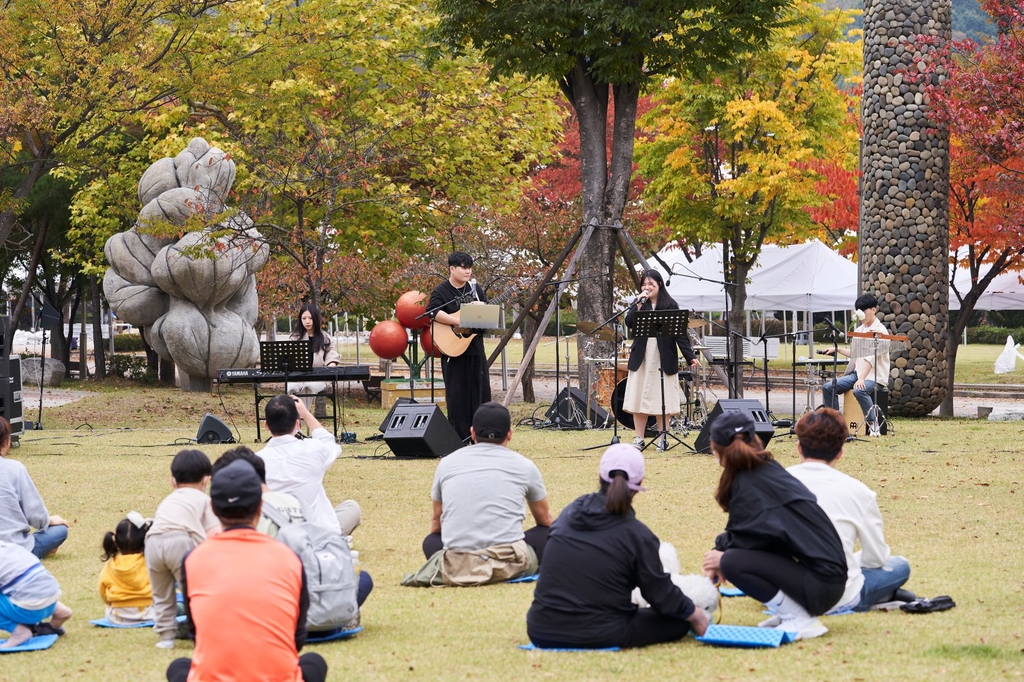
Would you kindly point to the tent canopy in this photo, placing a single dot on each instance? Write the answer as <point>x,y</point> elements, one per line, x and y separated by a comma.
<point>1004,293</point>
<point>806,277</point>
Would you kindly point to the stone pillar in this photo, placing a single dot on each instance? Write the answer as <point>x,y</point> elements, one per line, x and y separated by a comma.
<point>904,203</point>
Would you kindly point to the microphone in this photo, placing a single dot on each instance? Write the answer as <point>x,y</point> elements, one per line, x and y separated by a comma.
<point>642,297</point>
<point>821,352</point>
<point>834,328</point>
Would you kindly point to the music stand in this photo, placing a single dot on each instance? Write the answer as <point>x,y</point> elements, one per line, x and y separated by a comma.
<point>286,356</point>
<point>661,323</point>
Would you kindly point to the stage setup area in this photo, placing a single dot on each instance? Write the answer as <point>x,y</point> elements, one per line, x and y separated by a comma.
<point>949,492</point>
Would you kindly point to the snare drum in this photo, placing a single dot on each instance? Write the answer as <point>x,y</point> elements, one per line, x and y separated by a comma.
<point>607,381</point>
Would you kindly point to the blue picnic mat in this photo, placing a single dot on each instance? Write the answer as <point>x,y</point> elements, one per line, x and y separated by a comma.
<point>37,643</point>
<point>106,623</point>
<point>745,636</point>
<point>317,638</point>
<point>731,592</point>
<point>531,647</point>
<point>525,579</point>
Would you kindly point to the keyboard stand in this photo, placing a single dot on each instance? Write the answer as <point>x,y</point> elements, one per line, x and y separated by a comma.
<point>333,397</point>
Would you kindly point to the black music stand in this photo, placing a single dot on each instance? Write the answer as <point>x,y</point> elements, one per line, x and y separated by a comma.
<point>661,323</point>
<point>288,357</point>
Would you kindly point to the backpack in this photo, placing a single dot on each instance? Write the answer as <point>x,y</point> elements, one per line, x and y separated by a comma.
<point>327,561</point>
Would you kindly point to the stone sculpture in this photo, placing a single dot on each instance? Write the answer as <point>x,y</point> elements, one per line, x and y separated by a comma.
<point>196,305</point>
<point>904,205</point>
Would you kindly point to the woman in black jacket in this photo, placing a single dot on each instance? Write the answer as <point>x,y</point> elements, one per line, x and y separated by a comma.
<point>597,552</point>
<point>779,546</point>
<point>648,358</point>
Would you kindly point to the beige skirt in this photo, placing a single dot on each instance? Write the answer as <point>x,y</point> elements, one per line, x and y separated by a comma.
<point>643,387</point>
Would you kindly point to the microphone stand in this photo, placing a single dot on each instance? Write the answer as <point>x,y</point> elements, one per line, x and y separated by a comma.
<point>730,368</point>
<point>432,313</point>
<point>615,373</point>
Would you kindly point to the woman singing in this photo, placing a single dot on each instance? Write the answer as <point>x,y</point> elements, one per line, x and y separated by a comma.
<point>324,354</point>
<point>649,354</point>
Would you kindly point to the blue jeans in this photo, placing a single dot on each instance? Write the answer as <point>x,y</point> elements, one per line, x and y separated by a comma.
<point>880,583</point>
<point>845,383</point>
<point>49,540</point>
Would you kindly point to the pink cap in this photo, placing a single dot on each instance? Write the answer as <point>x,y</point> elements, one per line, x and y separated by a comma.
<point>623,457</point>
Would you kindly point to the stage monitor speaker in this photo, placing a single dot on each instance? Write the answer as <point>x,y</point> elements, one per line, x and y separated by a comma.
<point>391,413</point>
<point>6,343</point>
<point>213,430</point>
<point>420,430</point>
<point>572,406</point>
<point>10,396</point>
<point>762,423</point>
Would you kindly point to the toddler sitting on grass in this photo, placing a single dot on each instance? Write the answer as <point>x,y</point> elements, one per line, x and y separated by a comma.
<point>124,580</point>
<point>28,596</point>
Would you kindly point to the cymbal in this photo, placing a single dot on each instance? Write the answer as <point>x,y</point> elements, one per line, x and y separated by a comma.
<point>604,333</point>
<point>696,322</point>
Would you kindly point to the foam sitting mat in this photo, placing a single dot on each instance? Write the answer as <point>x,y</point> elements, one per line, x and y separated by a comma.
<point>331,635</point>
<point>37,643</point>
<point>731,592</point>
<point>531,647</point>
<point>106,623</point>
<point>525,579</point>
<point>746,637</point>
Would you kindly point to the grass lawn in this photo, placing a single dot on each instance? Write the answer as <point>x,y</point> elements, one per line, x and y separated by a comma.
<point>950,491</point>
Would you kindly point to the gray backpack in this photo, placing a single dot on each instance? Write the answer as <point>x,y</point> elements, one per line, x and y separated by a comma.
<point>327,561</point>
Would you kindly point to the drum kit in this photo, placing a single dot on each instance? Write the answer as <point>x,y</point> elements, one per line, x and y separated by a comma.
<point>610,387</point>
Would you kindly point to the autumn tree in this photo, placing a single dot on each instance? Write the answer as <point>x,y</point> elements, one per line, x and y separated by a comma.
<point>733,156</point>
<point>602,55</point>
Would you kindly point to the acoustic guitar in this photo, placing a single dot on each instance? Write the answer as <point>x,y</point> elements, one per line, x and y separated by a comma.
<point>454,340</point>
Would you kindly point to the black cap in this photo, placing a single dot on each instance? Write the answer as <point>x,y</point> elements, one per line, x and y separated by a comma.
<point>730,424</point>
<point>235,491</point>
<point>491,421</point>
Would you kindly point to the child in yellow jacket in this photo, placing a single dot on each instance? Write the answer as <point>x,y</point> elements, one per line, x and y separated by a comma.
<point>124,580</point>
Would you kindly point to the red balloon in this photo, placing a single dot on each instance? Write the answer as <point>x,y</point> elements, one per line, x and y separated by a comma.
<point>388,339</point>
<point>410,306</point>
<point>425,343</point>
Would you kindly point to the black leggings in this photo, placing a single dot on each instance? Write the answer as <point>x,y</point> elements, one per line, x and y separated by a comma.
<point>647,627</point>
<point>312,665</point>
<point>536,537</point>
<point>762,575</point>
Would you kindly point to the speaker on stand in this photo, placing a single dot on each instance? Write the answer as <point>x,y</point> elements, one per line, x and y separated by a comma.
<point>762,422</point>
<point>420,430</point>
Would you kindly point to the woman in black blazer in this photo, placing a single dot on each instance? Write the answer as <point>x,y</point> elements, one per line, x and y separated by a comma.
<point>649,354</point>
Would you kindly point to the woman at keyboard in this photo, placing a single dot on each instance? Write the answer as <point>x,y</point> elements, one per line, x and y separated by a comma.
<point>324,355</point>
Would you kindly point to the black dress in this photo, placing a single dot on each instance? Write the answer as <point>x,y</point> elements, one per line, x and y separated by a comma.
<point>466,382</point>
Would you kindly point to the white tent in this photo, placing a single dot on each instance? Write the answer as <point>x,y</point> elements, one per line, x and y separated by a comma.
<point>1004,293</point>
<point>805,277</point>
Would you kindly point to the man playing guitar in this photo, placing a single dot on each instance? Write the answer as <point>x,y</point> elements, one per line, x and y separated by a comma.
<point>466,381</point>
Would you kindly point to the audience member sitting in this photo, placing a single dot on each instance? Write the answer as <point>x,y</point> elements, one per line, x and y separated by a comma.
<point>873,575</point>
<point>28,598</point>
<point>597,553</point>
<point>245,595</point>
<point>779,547</point>
<point>124,580</point>
<point>21,507</point>
<point>478,495</point>
<point>297,467</point>
<point>283,502</point>
<point>182,521</point>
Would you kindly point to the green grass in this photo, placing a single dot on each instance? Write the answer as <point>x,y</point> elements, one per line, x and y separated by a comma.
<point>950,491</point>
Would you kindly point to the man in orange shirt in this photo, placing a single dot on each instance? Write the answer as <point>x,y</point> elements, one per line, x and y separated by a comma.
<point>244,592</point>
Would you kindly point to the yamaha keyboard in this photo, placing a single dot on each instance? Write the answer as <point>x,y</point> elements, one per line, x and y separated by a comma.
<point>259,376</point>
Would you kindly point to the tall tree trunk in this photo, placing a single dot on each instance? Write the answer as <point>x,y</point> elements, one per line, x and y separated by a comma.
<point>529,331</point>
<point>152,359</point>
<point>99,352</point>
<point>30,273</point>
<point>168,371</point>
<point>738,300</point>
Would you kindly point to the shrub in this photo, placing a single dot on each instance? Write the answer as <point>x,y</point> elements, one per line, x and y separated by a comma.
<point>993,335</point>
<point>128,343</point>
<point>128,366</point>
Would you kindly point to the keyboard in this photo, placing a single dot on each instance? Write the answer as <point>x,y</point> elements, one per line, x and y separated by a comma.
<point>252,375</point>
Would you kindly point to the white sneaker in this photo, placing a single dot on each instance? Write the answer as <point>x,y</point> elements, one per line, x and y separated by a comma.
<point>638,442</point>
<point>770,622</point>
<point>165,644</point>
<point>805,627</point>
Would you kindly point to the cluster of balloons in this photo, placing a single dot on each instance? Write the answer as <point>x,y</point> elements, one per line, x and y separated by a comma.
<point>390,338</point>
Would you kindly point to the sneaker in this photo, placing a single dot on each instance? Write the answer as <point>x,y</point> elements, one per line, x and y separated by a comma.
<point>638,442</point>
<point>805,627</point>
<point>165,644</point>
<point>770,622</point>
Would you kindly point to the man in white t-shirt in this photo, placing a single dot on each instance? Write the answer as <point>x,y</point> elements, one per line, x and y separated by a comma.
<point>873,574</point>
<point>479,492</point>
<point>861,373</point>
<point>297,467</point>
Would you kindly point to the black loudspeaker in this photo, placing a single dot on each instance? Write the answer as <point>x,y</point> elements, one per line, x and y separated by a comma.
<point>572,406</point>
<point>10,396</point>
<point>6,343</point>
<point>213,430</point>
<point>762,424</point>
<point>391,413</point>
<point>420,430</point>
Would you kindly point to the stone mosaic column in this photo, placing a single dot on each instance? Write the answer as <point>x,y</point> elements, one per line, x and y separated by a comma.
<point>904,203</point>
